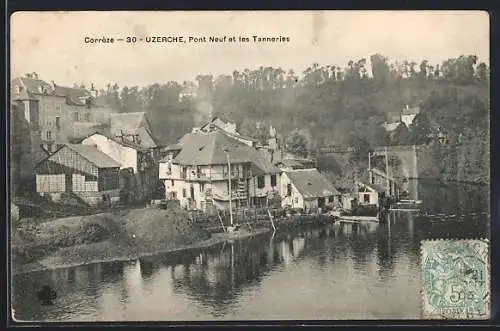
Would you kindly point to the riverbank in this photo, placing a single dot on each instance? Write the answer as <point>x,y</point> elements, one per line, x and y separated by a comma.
<point>119,236</point>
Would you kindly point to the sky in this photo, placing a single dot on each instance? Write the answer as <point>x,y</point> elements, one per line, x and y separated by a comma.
<point>52,43</point>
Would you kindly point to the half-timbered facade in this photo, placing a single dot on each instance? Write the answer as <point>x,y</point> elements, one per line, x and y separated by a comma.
<point>81,170</point>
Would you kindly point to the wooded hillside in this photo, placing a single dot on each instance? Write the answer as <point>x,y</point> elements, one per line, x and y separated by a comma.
<point>336,106</point>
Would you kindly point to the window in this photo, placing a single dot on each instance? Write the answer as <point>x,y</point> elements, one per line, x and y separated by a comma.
<point>289,190</point>
<point>172,182</point>
<point>273,180</point>
<point>58,123</point>
<point>261,182</point>
<point>49,135</point>
<point>58,107</point>
<point>366,198</point>
<point>202,187</point>
<point>184,193</point>
<point>234,171</point>
<point>76,116</point>
<point>87,117</point>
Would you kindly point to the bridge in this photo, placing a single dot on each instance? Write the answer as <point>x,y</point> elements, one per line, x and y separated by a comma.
<point>414,159</point>
<point>409,155</point>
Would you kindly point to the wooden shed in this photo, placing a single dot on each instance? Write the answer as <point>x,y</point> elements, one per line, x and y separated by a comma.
<point>79,169</point>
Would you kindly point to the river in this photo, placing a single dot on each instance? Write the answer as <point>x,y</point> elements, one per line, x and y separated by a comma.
<point>330,272</point>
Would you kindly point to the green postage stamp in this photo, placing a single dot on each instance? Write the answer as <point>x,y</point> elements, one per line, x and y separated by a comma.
<point>455,279</point>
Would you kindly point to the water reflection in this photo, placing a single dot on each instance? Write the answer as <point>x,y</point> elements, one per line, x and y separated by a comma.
<point>298,273</point>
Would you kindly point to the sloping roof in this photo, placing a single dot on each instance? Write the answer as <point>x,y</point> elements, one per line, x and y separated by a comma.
<point>127,121</point>
<point>291,163</point>
<point>71,92</point>
<point>296,162</point>
<point>146,137</point>
<point>311,183</point>
<point>173,147</point>
<point>375,187</point>
<point>389,127</point>
<point>33,86</point>
<point>209,149</point>
<point>133,123</point>
<point>238,135</point>
<point>115,139</point>
<point>30,87</point>
<point>92,154</point>
<point>260,164</point>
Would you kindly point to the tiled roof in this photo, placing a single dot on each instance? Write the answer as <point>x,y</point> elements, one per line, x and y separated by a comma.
<point>92,154</point>
<point>209,149</point>
<point>311,183</point>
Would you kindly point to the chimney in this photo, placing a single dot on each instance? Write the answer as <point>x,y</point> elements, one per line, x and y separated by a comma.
<point>93,91</point>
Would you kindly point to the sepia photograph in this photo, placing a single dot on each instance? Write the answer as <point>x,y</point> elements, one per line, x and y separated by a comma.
<point>171,166</point>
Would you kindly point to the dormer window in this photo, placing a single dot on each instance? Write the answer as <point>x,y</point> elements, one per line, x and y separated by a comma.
<point>17,89</point>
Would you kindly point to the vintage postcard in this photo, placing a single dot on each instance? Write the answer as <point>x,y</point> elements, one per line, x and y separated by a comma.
<point>294,165</point>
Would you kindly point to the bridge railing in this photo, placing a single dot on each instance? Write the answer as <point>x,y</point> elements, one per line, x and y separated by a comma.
<point>350,149</point>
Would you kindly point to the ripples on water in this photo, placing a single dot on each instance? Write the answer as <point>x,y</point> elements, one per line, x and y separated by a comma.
<point>332,272</point>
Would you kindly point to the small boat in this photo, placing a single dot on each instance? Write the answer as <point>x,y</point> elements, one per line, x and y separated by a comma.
<point>406,205</point>
<point>416,202</point>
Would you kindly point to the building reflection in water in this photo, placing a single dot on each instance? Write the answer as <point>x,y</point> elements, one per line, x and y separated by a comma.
<point>218,280</point>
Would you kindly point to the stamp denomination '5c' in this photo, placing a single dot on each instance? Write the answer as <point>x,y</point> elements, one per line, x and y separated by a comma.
<point>455,279</point>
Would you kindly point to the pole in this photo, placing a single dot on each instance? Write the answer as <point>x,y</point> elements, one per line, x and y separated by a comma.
<point>230,193</point>
<point>370,176</point>
<point>387,170</point>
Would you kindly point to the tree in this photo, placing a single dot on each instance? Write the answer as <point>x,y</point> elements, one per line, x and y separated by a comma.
<point>380,69</point>
<point>402,135</point>
<point>296,144</point>
<point>421,129</point>
<point>424,65</point>
<point>482,72</point>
